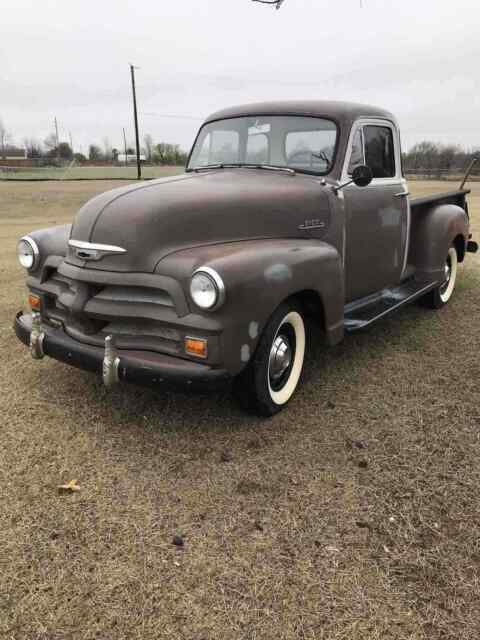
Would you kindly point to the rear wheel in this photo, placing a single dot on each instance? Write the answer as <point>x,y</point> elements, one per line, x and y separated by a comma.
<point>440,296</point>
<point>271,377</point>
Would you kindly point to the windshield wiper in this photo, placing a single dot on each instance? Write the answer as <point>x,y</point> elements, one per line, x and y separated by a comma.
<point>270,167</point>
<point>220,165</point>
<point>236,165</point>
<point>323,156</point>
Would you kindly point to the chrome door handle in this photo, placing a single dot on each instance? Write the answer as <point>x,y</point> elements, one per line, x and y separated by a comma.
<point>402,193</point>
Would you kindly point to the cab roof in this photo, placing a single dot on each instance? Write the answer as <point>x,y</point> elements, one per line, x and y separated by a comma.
<point>342,112</point>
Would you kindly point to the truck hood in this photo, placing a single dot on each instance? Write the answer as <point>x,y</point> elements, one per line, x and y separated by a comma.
<point>154,219</point>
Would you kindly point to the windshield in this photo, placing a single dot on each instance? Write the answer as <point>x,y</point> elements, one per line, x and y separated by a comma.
<point>301,143</point>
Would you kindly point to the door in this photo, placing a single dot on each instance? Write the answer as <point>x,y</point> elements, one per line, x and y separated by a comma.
<point>377,216</point>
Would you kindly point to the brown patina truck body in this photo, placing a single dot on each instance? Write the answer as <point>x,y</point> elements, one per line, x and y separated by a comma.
<point>273,230</point>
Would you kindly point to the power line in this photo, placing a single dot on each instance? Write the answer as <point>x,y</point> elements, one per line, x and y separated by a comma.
<point>168,115</point>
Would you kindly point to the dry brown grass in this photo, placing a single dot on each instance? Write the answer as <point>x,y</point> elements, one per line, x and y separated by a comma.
<point>352,515</point>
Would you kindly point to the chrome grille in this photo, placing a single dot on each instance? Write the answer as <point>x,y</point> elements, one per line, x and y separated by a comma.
<point>137,316</point>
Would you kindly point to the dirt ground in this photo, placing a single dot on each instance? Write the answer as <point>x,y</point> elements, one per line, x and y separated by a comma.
<point>353,515</point>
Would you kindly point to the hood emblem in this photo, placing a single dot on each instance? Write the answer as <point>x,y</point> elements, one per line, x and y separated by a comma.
<point>93,251</point>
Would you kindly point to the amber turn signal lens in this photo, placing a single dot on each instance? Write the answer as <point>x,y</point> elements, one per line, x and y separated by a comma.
<point>196,347</point>
<point>34,302</point>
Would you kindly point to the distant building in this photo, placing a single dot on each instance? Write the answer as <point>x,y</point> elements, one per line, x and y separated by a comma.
<point>13,153</point>
<point>131,158</point>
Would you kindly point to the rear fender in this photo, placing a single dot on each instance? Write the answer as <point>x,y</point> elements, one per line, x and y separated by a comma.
<point>433,231</point>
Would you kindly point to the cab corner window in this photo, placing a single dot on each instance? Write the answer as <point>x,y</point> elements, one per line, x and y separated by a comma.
<point>379,151</point>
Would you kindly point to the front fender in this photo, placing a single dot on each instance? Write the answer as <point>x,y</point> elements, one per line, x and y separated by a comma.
<point>259,275</point>
<point>52,244</point>
<point>433,232</point>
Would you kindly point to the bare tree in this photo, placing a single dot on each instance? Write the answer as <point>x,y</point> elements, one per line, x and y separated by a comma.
<point>50,142</point>
<point>33,148</point>
<point>94,152</point>
<point>148,141</point>
<point>4,138</point>
<point>107,149</point>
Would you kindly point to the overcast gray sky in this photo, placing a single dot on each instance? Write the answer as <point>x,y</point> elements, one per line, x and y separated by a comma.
<point>418,58</point>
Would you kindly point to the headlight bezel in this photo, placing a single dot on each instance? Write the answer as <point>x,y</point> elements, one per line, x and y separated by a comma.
<point>218,284</point>
<point>35,252</point>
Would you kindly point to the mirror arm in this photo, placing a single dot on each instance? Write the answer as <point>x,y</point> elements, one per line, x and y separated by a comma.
<point>340,186</point>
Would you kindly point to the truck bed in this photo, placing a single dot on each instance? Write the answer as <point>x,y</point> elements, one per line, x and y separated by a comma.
<point>448,197</point>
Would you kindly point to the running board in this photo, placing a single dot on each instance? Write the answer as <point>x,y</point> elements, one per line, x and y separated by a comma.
<point>364,312</point>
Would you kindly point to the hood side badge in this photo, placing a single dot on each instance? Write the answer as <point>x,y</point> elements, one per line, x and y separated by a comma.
<point>312,224</point>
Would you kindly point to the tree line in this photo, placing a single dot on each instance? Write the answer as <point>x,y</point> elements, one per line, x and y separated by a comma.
<point>431,159</point>
<point>51,151</point>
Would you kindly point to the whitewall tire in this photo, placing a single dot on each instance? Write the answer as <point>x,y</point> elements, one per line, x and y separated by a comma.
<point>272,376</point>
<point>291,323</point>
<point>451,266</point>
<point>441,295</point>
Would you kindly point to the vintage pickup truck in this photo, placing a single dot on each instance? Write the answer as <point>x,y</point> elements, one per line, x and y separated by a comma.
<point>287,210</point>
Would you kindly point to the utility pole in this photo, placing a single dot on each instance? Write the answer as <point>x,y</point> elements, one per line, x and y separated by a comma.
<point>56,136</point>
<point>71,141</point>
<point>125,145</point>
<point>135,116</point>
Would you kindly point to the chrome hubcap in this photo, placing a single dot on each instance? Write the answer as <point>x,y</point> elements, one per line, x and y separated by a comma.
<point>448,274</point>
<point>280,358</point>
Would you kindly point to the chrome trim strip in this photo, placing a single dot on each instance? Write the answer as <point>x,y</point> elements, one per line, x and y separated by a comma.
<point>307,227</point>
<point>92,246</point>
<point>409,227</point>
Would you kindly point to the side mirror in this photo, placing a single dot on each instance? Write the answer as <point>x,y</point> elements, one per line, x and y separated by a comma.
<point>362,175</point>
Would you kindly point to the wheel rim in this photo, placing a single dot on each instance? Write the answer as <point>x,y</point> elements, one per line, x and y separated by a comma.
<point>448,286</point>
<point>286,358</point>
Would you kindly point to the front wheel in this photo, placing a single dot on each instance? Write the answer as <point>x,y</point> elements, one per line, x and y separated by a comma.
<point>271,377</point>
<point>439,297</point>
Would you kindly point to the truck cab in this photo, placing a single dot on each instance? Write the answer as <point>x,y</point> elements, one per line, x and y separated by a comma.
<point>286,210</point>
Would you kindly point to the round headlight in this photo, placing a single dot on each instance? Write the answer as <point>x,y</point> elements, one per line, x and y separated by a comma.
<point>27,252</point>
<point>207,288</point>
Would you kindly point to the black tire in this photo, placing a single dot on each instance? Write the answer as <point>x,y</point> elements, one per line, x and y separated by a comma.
<point>440,296</point>
<point>268,382</point>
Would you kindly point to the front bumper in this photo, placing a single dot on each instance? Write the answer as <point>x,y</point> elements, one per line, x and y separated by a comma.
<point>138,367</point>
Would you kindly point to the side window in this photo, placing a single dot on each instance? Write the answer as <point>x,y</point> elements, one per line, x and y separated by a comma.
<point>358,156</point>
<point>379,151</point>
